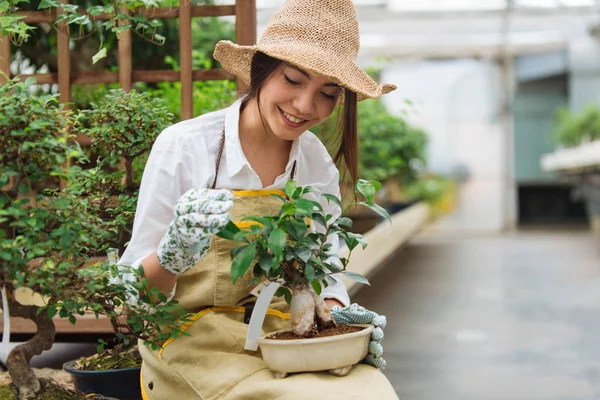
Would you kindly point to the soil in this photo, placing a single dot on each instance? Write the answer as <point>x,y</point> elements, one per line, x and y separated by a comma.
<point>53,391</point>
<point>333,331</point>
<point>111,359</point>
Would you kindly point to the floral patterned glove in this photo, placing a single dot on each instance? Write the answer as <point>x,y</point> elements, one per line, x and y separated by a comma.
<point>199,214</point>
<point>355,314</point>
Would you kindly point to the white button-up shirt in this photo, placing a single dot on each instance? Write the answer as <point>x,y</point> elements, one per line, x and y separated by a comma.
<point>184,156</point>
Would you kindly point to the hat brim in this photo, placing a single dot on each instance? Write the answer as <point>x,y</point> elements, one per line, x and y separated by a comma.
<point>237,59</point>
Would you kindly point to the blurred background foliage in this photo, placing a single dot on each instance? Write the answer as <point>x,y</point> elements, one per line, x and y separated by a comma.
<point>392,150</point>
<point>575,128</point>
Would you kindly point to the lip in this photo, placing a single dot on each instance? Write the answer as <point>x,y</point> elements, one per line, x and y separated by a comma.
<point>288,122</point>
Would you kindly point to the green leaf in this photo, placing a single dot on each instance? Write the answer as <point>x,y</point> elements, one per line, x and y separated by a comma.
<point>290,188</point>
<point>72,319</point>
<point>316,286</point>
<point>366,188</point>
<point>309,272</point>
<point>357,277</point>
<point>229,231</point>
<point>279,197</point>
<point>265,221</point>
<point>308,205</point>
<point>378,209</point>
<point>277,241</point>
<point>308,189</point>
<point>288,296</point>
<point>265,261</point>
<point>303,253</point>
<point>332,198</point>
<point>318,218</point>
<point>344,221</point>
<point>242,262</point>
<point>99,55</point>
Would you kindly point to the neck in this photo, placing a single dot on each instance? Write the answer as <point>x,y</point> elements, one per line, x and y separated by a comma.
<point>254,129</point>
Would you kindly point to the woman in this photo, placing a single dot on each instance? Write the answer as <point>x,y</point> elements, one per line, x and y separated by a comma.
<point>304,65</point>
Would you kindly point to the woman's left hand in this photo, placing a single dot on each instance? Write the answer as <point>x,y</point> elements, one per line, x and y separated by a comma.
<point>355,314</point>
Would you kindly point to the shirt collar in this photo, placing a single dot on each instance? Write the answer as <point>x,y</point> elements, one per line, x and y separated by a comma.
<point>233,149</point>
<point>236,160</point>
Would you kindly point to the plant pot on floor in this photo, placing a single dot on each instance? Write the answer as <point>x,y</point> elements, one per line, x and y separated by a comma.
<point>315,354</point>
<point>123,384</point>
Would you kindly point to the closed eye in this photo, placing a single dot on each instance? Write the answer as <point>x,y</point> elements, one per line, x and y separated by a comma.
<point>328,96</point>
<point>291,82</point>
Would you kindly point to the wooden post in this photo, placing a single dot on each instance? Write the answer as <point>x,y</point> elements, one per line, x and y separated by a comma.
<point>4,59</point>
<point>64,61</point>
<point>125,67</point>
<point>245,28</point>
<point>185,59</point>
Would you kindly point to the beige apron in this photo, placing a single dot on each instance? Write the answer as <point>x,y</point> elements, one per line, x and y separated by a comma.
<point>211,362</point>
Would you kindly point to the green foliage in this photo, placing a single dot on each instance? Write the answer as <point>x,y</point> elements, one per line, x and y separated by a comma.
<point>34,136</point>
<point>389,146</point>
<point>47,236</point>
<point>81,18</point>
<point>429,189</point>
<point>123,126</point>
<point>574,129</point>
<point>286,248</point>
<point>208,95</point>
<point>96,40</point>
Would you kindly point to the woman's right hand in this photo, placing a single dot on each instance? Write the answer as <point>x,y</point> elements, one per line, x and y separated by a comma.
<point>199,214</point>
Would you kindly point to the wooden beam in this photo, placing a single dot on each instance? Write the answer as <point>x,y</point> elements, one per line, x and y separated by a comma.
<point>125,68</point>
<point>245,28</point>
<point>4,59</point>
<point>84,324</point>
<point>185,59</point>
<point>36,17</point>
<point>64,61</point>
<point>149,76</point>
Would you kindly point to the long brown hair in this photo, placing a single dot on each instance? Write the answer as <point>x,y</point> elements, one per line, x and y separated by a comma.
<point>346,127</point>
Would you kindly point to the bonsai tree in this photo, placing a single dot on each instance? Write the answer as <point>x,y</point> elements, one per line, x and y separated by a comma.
<point>123,127</point>
<point>47,233</point>
<point>286,248</point>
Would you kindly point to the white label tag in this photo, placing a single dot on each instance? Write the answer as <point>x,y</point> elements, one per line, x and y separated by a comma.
<point>256,291</point>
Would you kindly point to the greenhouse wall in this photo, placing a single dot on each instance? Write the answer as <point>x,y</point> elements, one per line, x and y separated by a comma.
<point>458,102</point>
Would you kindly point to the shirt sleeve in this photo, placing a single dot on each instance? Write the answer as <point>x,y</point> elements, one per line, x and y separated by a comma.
<point>164,180</point>
<point>338,290</point>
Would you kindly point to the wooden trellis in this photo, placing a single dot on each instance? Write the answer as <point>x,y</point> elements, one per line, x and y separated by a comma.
<point>243,10</point>
<point>245,13</point>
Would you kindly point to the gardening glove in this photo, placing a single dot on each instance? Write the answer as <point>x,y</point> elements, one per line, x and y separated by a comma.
<point>355,314</point>
<point>199,214</point>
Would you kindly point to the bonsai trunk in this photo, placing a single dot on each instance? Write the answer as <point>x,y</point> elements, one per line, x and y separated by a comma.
<point>28,386</point>
<point>309,311</point>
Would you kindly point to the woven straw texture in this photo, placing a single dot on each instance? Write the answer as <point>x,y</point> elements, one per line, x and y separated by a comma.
<point>320,36</point>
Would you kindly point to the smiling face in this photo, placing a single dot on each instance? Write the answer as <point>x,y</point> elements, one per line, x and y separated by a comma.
<point>293,100</point>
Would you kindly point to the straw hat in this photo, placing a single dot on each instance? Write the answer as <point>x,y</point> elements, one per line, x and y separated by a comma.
<point>320,36</point>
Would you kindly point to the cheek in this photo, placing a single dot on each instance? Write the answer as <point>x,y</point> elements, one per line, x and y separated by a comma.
<point>325,108</point>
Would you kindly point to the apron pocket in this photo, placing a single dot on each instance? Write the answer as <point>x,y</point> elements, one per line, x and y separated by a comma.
<point>212,358</point>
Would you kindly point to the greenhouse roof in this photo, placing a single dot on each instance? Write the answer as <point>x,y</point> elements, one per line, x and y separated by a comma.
<point>464,28</point>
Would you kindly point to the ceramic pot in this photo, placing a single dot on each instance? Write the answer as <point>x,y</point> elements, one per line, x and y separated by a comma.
<point>315,354</point>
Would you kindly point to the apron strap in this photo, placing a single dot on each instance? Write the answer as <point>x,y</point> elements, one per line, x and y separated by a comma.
<point>221,145</point>
<point>218,162</point>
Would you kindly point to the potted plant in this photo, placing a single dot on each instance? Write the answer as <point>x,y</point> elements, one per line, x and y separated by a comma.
<point>47,233</point>
<point>287,249</point>
<point>123,126</point>
<point>115,369</point>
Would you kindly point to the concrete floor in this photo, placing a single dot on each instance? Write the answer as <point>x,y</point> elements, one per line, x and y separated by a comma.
<point>487,317</point>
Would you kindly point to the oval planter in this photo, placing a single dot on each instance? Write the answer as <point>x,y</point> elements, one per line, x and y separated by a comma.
<point>315,354</point>
<point>123,384</point>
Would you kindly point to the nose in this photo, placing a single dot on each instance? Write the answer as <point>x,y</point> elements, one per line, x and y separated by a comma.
<point>304,104</point>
